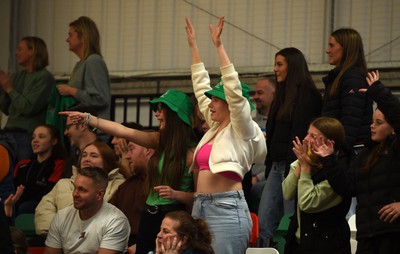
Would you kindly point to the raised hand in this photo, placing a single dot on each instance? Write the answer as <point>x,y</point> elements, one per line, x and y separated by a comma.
<point>191,38</point>
<point>216,33</point>
<point>12,199</point>
<point>323,148</point>
<point>190,32</point>
<point>371,78</point>
<point>300,150</point>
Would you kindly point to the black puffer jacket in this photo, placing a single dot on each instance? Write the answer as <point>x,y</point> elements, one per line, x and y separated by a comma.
<point>379,186</point>
<point>351,107</point>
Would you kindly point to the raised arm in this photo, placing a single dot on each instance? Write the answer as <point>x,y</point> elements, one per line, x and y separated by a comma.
<point>146,139</point>
<point>216,38</point>
<point>191,37</point>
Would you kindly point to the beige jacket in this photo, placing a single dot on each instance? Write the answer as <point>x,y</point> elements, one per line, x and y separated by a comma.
<point>61,196</point>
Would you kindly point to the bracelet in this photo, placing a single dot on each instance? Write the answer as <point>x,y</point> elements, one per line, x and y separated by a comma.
<point>97,124</point>
<point>88,116</point>
<point>87,119</point>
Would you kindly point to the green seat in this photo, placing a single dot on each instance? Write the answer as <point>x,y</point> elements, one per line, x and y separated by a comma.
<point>26,223</point>
<point>280,233</point>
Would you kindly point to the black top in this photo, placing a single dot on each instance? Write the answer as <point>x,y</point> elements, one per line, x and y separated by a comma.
<point>281,134</point>
<point>351,107</point>
<point>380,185</point>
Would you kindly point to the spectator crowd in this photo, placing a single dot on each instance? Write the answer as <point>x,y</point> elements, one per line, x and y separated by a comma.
<point>98,186</point>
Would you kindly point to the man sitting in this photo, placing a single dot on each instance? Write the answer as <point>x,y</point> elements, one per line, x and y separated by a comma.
<point>90,225</point>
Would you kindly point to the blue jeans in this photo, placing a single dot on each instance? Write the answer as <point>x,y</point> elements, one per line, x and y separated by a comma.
<point>272,204</point>
<point>228,219</point>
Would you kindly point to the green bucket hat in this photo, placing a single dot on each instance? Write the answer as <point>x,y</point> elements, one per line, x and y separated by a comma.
<point>218,91</point>
<point>178,102</point>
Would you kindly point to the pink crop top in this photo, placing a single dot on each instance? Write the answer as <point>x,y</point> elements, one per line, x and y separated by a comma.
<point>202,157</point>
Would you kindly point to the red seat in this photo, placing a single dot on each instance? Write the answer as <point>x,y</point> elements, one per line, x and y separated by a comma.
<point>254,231</point>
<point>36,250</point>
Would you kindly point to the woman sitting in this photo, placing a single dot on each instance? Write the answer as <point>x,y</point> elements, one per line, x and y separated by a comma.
<point>181,233</point>
<point>96,154</point>
<point>42,172</point>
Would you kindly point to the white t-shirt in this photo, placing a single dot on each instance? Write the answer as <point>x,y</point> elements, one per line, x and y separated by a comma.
<point>108,229</point>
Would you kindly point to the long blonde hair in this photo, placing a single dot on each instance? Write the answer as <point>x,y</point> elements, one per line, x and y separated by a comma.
<point>86,28</point>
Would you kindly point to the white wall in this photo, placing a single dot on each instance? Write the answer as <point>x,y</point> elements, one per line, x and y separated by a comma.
<point>146,37</point>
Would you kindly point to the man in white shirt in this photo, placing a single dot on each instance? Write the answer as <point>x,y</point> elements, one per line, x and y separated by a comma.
<point>90,225</point>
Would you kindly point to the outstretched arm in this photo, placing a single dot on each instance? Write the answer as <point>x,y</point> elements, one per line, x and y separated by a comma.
<point>146,139</point>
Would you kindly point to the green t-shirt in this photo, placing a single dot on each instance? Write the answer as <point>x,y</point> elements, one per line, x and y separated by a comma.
<point>186,186</point>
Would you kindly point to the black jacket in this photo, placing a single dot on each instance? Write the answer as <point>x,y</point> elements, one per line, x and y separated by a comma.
<point>380,185</point>
<point>326,231</point>
<point>281,134</point>
<point>351,107</point>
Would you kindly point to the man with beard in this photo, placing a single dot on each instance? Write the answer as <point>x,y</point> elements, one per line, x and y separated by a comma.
<point>263,97</point>
<point>90,225</point>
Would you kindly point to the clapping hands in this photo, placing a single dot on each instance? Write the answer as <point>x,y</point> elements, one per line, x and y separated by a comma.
<point>300,150</point>
<point>322,147</point>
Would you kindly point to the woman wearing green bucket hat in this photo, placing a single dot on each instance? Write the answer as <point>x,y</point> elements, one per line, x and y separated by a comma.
<point>226,152</point>
<point>169,180</point>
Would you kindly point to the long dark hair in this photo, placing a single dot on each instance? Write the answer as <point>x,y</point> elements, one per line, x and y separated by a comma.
<point>378,151</point>
<point>194,230</point>
<point>297,85</point>
<point>175,139</point>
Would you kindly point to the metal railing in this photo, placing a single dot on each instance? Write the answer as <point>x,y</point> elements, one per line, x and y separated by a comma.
<point>121,104</point>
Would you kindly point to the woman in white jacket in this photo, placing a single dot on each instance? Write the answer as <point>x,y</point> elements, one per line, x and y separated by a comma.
<point>96,154</point>
<point>226,152</point>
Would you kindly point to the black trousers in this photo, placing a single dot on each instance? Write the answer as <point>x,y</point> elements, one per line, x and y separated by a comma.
<point>381,244</point>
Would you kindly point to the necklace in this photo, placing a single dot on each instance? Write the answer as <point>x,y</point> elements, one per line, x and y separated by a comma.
<point>43,164</point>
